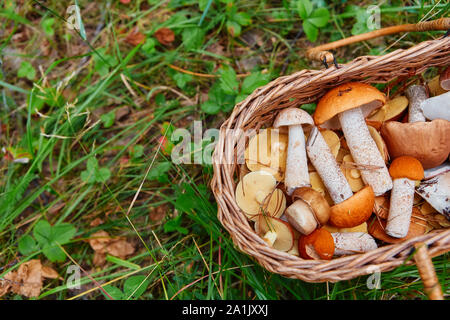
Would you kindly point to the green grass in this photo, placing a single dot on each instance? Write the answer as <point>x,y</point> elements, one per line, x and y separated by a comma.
<point>57,91</point>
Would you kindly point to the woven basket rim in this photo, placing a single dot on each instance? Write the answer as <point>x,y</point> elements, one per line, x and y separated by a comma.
<point>259,108</point>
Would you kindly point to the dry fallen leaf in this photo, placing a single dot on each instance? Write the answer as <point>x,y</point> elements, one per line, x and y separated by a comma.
<point>28,279</point>
<point>135,37</point>
<point>165,36</point>
<point>103,244</point>
<point>158,213</point>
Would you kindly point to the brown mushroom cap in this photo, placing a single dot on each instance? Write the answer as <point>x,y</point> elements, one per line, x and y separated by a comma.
<point>301,217</point>
<point>291,117</point>
<point>406,167</point>
<point>353,211</point>
<point>345,97</point>
<point>428,142</point>
<point>316,201</point>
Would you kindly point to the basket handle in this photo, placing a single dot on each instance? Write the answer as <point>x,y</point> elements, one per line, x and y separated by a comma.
<point>427,273</point>
<point>321,53</point>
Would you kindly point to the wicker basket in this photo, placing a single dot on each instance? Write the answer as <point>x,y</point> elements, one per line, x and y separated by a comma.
<point>306,86</point>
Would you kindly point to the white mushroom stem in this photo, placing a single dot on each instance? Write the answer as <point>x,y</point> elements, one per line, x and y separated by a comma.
<point>437,107</point>
<point>364,150</point>
<point>416,95</point>
<point>323,160</point>
<point>296,174</point>
<point>400,209</point>
<point>436,191</point>
<point>352,242</point>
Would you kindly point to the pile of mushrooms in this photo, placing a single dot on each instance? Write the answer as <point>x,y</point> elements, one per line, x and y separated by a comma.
<point>361,172</point>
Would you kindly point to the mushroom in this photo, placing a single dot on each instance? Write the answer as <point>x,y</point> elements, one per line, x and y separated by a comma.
<point>416,94</point>
<point>296,174</point>
<point>325,163</point>
<point>267,151</point>
<point>437,107</point>
<point>392,110</point>
<point>417,227</point>
<point>436,191</point>
<point>317,245</point>
<point>434,87</point>
<point>433,172</point>
<point>404,171</point>
<point>346,243</point>
<point>353,211</point>
<point>347,105</point>
<point>275,232</point>
<point>444,79</point>
<point>359,228</point>
<point>256,194</point>
<point>428,142</point>
<point>308,210</point>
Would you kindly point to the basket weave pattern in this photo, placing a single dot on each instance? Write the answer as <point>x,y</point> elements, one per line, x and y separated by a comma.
<point>306,86</point>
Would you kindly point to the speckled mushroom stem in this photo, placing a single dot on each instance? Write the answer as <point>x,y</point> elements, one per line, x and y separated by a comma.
<point>416,94</point>
<point>352,242</point>
<point>364,150</point>
<point>400,209</point>
<point>296,174</point>
<point>323,160</point>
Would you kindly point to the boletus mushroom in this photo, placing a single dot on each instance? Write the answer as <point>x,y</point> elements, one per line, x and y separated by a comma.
<point>256,193</point>
<point>346,106</point>
<point>428,142</point>
<point>405,171</point>
<point>275,232</point>
<point>328,169</point>
<point>296,174</point>
<point>347,243</point>
<point>308,210</point>
<point>353,211</point>
<point>436,191</point>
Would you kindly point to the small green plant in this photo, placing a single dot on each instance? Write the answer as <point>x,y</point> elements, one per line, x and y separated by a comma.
<point>26,70</point>
<point>313,19</point>
<point>48,239</point>
<point>94,173</point>
<point>133,288</point>
<point>225,92</point>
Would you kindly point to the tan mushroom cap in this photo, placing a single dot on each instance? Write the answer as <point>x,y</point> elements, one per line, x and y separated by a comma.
<point>428,142</point>
<point>345,97</point>
<point>353,211</point>
<point>316,201</point>
<point>293,116</point>
<point>252,191</point>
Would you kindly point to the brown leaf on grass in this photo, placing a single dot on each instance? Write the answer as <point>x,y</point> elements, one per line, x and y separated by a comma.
<point>103,244</point>
<point>96,222</point>
<point>125,1</point>
<point>158,213</point>
<point>135,37</point>
<point>165,36</point>
<point>28,279</point>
